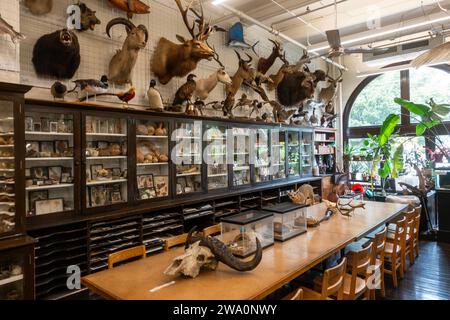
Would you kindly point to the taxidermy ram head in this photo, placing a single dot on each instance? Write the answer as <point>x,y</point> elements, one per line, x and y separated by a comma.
<point>123,62</point>
<point>207,252</point>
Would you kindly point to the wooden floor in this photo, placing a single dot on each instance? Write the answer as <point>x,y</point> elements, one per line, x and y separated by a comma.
<point>428,278</point>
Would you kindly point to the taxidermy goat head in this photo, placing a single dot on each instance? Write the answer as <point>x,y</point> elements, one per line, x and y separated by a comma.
<point>57,55</point>
<point>123,62</point>
<point>207,252</point>
<point>326,95</point>
<point>88,18</point>
<point>264,64</point>
<point>39,7</point>
<point>178,60</point>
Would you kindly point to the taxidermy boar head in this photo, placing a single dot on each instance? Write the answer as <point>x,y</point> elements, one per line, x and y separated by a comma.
<point>88,18</point>
<point>178,60</point>
<point>123,62</point>
<point>189,264</point>
<point>57,54</point>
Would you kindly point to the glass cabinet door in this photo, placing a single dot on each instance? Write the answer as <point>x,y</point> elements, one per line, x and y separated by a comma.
<point>294,153</point>
<point>278,154</point>
<point>241,146</point>
<point>262,156</point>
<point>216,156</point>
<point>152,158</point>
<point>7,169</point>
<point>12,276</point>
<point>49,158</point>
<point>188,157</point>
<point>106,161</point>
<point>307,153</point>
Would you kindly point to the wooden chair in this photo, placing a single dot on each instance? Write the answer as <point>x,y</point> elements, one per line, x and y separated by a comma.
<point>393,251</point>
<point>355,284</point>
<point>297,295</point>
<point>175,241</point>
<point>213,230</point>
<point>377,260</point>
<point>409,241</point>
<point>126,255</point>
<point>331,284</point>
<point>417,229</point>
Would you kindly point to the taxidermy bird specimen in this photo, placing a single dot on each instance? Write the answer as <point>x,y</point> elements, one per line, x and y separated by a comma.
<point>125,97</point>
<point>39,7</point>
<point>279,113</point>
<point>327,95</point>
<point>6,28</point>
<point>178,60</point>
<point>88,18</point>
<point>57,55</point>
<point>314,119</point>
<point>58,90</point>
<point>92,86</point>
<point>185,92</point>
<point>244,73</point>
<point>123,62</point>
<point>205,86</point>
<point>154,97</point>
<point>440,54</point>
<point>264,64</point>
<point>131,7</point>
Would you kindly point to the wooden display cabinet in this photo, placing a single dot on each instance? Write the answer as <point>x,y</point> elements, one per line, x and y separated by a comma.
<point>325,150</point>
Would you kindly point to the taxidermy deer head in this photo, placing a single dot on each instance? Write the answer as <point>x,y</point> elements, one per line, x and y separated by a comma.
<point>205,86</point>
<point>178,60</point>
<point>264,64</point>
<point>326,95</point>
<point>123,62</point>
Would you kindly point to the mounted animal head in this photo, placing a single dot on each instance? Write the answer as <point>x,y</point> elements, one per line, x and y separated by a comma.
<point>122,63</point>
<point>177,60</point>
<point>88,18</point>
<point>222,75</point>
<point>264,64</point>
<point>245,72</point>
<point>137,36</point>
<point>67,38</point>
<point>332,81</point>
<point>327,94</point>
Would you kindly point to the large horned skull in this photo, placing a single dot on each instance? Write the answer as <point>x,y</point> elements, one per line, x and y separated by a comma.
<point>192,261</point>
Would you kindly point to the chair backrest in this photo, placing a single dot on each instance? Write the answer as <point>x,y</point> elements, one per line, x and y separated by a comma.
<point>175,241</point>
<point>213,230</point>
<point>126,255</point>
<point>400,234</point>
<point>298,295</point>
<point>416,225</point>
<point>333,281</point>
<point>360,263</point>
<point>418,209</point>
<point>379,244</point>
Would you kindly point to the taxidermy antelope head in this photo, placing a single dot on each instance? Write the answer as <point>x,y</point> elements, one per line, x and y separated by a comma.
<point>205,86</point>
<point>264,64</point>
<point>326,95</point>
<point>244,73</point>
<point>178,60</point>
<point>279,76</point>
<point>123,62</point>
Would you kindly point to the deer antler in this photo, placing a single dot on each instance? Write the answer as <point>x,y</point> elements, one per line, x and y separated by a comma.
<point>184,14</point>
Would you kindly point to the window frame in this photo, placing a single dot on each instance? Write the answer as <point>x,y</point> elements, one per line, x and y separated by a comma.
<point>405,127</point>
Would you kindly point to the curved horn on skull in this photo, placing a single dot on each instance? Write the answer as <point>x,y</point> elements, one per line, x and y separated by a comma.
<point>226,257</point>
<point>144,28</point>
<point>127,23</point>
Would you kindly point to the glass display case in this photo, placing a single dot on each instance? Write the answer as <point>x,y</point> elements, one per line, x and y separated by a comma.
<point>152,159</point>
<point>307,153</point>
<point>289,220</point>
<point>262,156</point>
<point>7,168</point>
<point>188,157</point>
<point>278,154</point>
<point>239,232</point>
<point>294,153</point>
<point>216,156</point>
<point>241,148</point>
<point>50,160</point>
<point>106,151</point>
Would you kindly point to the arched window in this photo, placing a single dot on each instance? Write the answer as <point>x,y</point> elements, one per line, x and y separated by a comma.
<point>373,100</point>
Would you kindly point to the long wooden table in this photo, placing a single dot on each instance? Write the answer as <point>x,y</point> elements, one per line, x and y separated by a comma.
<point>281,263</point>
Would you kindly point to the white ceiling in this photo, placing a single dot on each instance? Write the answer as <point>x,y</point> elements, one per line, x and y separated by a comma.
<point>352,16</point>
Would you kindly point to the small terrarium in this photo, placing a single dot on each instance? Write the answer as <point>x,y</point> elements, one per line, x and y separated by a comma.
<point>289,220</point>
<point>239,232</point>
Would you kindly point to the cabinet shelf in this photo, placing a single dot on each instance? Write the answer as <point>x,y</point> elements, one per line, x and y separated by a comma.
<point>6,146</point>
<point>106,158</point>
<point>152,164</point>
<point>49,159</point>
<point>217,175</point>
<point>97,183</point>
<point>106,135</point>
<point>60,134</point>
<point>151,137</point>
<point>11,279</point>
<point>189,174</point>
<point>55,186</point>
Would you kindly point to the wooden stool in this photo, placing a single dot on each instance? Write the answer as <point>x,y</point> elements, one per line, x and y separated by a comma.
<point>377,260</point>
<point>175,241</point>
<point>213,230</point>
<point>354,285</point>
<point>393,251</point>
<point>331,284</point>
<point>125,255</point>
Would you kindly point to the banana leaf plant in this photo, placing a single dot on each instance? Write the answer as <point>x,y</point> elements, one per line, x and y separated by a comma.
<point>386,159</point>
<point>429,117</point>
